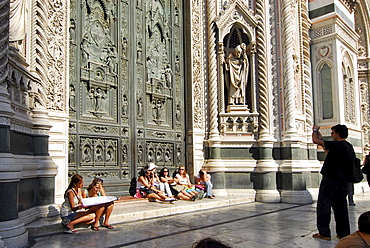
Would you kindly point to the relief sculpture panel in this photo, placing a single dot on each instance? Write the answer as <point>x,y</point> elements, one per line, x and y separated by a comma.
<point>126,87</point>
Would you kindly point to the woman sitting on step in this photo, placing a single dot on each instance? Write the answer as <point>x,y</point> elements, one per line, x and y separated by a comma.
<point>166,183</point>
<point>183,183</point>
<point>204,180</point>
<point>145,184</point>
<point>72,210</point>
<point>96,189</point>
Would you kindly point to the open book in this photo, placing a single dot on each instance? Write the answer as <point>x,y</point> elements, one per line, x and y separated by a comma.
<point>91,201</point>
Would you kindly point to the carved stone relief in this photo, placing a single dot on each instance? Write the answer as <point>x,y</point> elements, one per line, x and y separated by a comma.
<point>57,40</point>
<point>72,150</point>
<point>98,152</point>
<point>161,154</point>
<point>125,74</point>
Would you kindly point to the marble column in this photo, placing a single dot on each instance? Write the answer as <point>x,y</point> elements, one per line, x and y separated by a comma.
<point>12,231</point>
<point>264,177</point>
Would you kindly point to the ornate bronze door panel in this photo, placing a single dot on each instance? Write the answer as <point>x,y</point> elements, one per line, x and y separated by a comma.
<point>126,89</point>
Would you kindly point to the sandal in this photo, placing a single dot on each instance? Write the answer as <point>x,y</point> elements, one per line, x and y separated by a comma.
<point>95,228</point>
<point>319,236</point>
<point>108,226</point>
<point>71,231</point>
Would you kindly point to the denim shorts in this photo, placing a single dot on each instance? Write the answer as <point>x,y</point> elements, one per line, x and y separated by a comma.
<point>71,216</point>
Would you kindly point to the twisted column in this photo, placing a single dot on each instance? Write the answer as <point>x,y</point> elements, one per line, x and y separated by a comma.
<point>4,40</point>
<point>212,69</point>
<point>308,108</point>
<point>262,65</point>
<point>288,68</point>
<point>39,59</point>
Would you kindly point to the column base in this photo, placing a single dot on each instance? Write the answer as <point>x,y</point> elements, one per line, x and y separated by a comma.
<point>13,233</point>
<point>296,196</point>
<point>267,195</point>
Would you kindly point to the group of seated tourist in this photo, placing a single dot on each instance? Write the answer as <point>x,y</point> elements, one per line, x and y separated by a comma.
<point>167,188</point>
<point>149,185</point>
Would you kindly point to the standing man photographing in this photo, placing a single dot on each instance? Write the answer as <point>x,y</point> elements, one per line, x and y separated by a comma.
<point>333,187</point>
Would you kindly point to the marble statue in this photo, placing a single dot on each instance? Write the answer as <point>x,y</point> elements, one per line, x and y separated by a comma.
<point>237,69</point>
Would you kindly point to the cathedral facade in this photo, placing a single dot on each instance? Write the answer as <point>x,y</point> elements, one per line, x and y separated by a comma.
<point>103,87</point>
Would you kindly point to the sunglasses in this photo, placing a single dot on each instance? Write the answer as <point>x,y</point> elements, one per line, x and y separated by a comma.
<point>99,180</point>
<point>181,169</point>
<point>165,171</point>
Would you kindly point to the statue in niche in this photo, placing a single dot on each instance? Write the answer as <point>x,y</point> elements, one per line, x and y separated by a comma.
<point>159,156</point>
<point>110,155</point>
<point>140,155</point>
<point>237,67</point>
<point>99,96</point>
<point>71,153</point>
<point>86,156</point>
<point>124,47</point>
<point>168,75</point>
<point>72,97</point>
<point>157,110</point>
<point>72,30</point>
<point>167,156</point>
<point>17,23</point>
<point>124,154</point>
<point>99,154</point>
<point>139,51</point>
<point>178,113</point>
<point>91,102</point>
<point>124,105</point>
<point>178,155</point>
<point>140,107</point>
<point>151,155</point>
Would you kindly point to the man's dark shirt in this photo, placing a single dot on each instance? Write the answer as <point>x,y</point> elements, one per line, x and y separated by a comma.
<point>337,159</point>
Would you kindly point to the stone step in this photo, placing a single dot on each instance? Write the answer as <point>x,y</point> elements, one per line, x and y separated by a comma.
<point>128,209</point>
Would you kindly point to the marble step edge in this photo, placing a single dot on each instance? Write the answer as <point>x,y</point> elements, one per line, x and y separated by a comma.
<point>124,213</point>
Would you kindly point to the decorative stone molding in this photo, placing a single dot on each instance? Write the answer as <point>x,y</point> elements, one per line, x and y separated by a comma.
<point>57,56</point>
<point>322,31</point>
<point>239,123</point>
<point>197,64</point>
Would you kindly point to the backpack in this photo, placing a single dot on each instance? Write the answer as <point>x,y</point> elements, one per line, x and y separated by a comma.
<point>132,189</point>
<point>366,168</point>
<point>354,171</point>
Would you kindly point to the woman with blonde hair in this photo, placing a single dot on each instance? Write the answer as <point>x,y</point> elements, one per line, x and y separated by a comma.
<point>96,189</point>
<point>183,183</point>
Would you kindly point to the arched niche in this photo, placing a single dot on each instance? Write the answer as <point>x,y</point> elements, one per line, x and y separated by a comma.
<point>236,26</point>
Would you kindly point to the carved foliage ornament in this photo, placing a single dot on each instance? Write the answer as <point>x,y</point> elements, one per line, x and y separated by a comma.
<point>57,47</point>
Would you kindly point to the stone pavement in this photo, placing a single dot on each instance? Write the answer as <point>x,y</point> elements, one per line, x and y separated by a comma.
<point>239,225</point>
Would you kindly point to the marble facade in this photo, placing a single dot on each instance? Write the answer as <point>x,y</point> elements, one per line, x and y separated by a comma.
<point>101,88</point>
